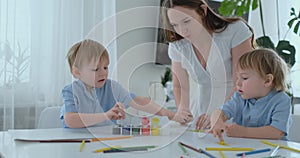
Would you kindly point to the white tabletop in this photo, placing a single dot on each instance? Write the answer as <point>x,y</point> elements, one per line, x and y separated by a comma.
<point>167,144</point>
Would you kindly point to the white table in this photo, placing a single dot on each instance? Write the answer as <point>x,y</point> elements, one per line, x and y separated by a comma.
<point>168,144</point>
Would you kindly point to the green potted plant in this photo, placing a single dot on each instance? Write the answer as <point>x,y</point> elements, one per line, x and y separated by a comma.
<point>166,81</point>
<point>283,47</point>
<point>166,77</point>
<point>295,19</point>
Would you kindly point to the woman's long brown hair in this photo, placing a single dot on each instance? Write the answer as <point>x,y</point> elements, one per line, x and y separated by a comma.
<point>211,21</point>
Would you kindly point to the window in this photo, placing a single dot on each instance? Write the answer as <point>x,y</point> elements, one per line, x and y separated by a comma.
<point>34,39</point>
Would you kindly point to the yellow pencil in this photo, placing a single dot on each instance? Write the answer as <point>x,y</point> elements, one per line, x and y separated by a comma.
<point>196,130</point>
<point>223,143</point>
<point>222,154</point>
<point>229,149</point>
<point>281,146</point>
<point>268,143</point>
<point>108,148</point>
<point>110,138</point>
<point>82,145</point>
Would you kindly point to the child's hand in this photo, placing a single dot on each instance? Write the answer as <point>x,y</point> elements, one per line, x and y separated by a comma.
<point>117,112</point>
<point>203,122</point>
<point>183,117</point>
<point>217,130</point>
<point>234,130</point>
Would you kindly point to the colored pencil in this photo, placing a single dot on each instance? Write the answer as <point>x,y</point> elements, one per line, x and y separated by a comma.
<point>104,149</point>
<point>222,154</point>
<point>281,146</point>
<point>82,145</point>
<point>229,149</point>
<point>198,150</point>
<point>254,152</point>
<point>196,130</point>
<point>183,150</point>
<point>128,149</point>
<point>110,138</point>
<point>275,151</point>
<point>125,150</point>
<point>79,140</point>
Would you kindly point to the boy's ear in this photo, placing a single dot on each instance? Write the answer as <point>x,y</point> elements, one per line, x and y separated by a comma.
<point>204,7</point>
<point>75,72</point>
<point>269,80</point>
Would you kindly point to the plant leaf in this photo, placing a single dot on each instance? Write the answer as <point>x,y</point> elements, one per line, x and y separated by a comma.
<point>292,12</point>
<point>284,46</point>
<point>290,23</point>
<point>237,7</point>
<point>241,9</point>
<point>227,8</point>
<point>254,4</point>
<point>294,18</point>
<point>296,28</point>
<point>265,42</point>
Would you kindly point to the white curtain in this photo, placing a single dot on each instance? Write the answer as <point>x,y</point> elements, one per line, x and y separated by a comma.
<point>35,37</point>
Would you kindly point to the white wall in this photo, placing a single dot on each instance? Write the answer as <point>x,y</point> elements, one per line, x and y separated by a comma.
<point>136,49</point>
<point>296,69</point>
<point>270,22</point>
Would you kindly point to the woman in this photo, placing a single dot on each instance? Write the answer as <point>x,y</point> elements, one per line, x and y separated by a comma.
<point>204,48</point>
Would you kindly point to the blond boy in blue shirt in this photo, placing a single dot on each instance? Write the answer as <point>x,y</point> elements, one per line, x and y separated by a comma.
<point>93,99</point>
<point>260,108</point>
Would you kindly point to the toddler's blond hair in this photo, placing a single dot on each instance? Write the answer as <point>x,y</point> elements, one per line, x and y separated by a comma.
<point>266,61</point>
<point>85,52</point>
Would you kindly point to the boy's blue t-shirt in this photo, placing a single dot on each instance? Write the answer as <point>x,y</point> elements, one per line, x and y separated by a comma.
<point>77,99</point>
<point>271,110</point>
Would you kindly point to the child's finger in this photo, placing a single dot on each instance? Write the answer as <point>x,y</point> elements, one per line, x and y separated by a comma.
<point>227,127</point>
<point>215,133</point>
<point>220,135</point>
<point>114,115</point>
<point>121,105</point>
<point>121,112</point>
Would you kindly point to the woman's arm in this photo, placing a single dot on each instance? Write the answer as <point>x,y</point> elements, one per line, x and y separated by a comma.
<point>181,87</point>
<point>145,104</point>
<point>236,53</point>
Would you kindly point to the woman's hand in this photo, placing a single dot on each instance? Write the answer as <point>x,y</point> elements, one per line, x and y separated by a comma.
<point>203,122</point>
<point>183,117</point>
<point>117,112</point>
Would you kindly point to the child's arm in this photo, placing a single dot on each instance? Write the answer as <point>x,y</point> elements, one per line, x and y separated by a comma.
<point>264,132</point>
<point>217,120</point>
<point>279,121</point>
<point>79,120</point>
<point>145,104</point>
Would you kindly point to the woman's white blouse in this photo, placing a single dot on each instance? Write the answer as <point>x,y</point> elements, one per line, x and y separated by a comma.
<point>209,87</point>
